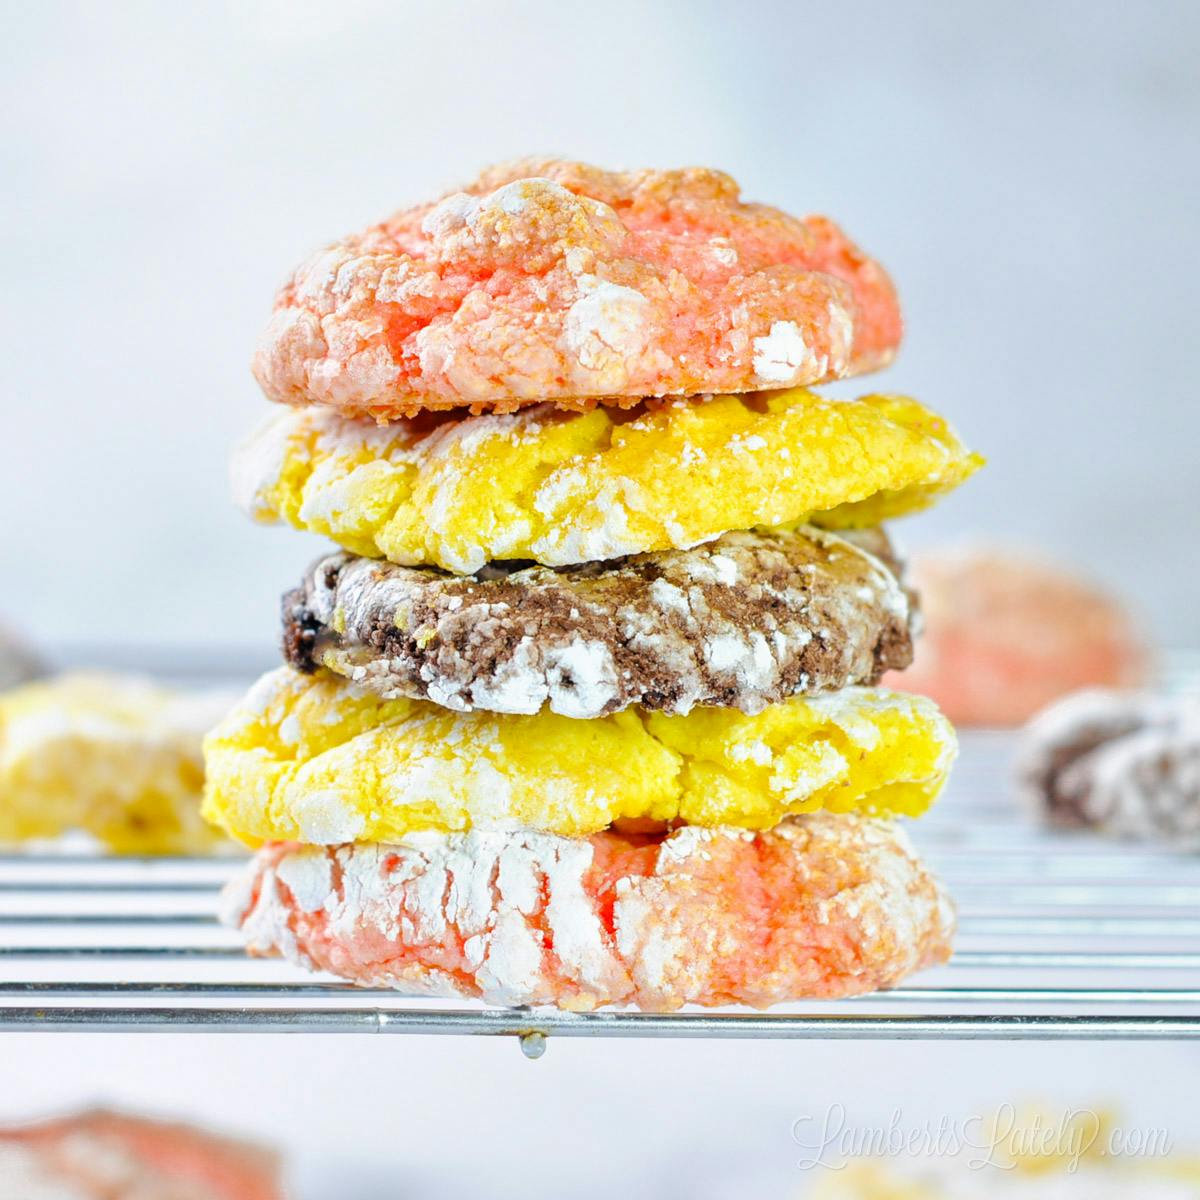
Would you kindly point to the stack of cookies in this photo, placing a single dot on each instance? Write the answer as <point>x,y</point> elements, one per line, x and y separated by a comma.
<point>582,709</point>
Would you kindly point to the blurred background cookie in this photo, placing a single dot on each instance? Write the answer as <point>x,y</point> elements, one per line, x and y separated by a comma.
<point>899,1179</point>
<point>1005,633</point>
<point>101,1155</point>
<point>1127,763</point>
<point>19,662</point>
<point>1023,1151</point>
<point>114,756</point>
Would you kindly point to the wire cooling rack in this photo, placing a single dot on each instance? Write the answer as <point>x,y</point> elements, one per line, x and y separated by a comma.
<point>1062,936</point>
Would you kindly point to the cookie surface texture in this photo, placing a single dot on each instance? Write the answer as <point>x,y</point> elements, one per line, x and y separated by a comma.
<point>315,759</point>
<point>547,279</point>
<point>521,918</point>
<point>742,622</point>
<point>564,488</point>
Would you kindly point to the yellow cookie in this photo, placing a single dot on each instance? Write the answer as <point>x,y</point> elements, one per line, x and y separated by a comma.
<point>562,488</point>
<point>314,759</point>
<point>114,756</point>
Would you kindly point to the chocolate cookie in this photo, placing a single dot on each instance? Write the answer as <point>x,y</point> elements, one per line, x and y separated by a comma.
<point>1125,762</point>
<point>742,622</point>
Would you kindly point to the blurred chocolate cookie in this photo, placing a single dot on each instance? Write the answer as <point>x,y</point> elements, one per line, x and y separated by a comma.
<point>1125,762</point>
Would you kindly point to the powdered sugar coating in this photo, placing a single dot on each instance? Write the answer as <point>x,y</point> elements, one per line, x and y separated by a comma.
<point>115,756</point>
<point>524,918</point>
<point>325,761</point>
<point>1124,762</point>
<point>744,621</point>
<point>562,488</point>
<point>552,279</point>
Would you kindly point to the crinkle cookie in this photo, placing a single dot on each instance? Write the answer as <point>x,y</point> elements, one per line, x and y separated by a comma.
<point>114,756</point>
<point>742,622</point>
<point>1124,762</point>
<point>101,1155</point>
<point>316,759</point>
<point>817,907</point>
<point>562,488</point>
<point>972,1176</point>
<point>548,279</point>
<point>1004,634</point>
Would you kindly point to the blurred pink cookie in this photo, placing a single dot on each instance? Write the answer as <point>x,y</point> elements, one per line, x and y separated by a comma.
<point>1005,634</point>
<point>101,1155</point>
<point>551,279</point>
<point>820,906</point>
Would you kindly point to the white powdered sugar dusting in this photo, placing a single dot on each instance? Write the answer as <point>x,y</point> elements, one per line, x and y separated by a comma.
<point>515,917</point>
<point>599,531</point>
<point>581,678</point>
<point>266,924</point>
<point>726,652</point>
<point>308,876</point>
<point>669,597</point>
<point>746,620</point>
<point>782,356</point>
<point>794,786</point>
<point>579,940</point>
<point>712,567</point>
<point>325,817</point>
<point>486,886</point>
<point>607,323</point>
<point>516,685</point>
<point>462,211</point>
<point>509,959</point>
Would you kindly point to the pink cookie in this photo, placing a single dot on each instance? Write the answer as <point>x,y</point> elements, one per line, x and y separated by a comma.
<point>1006,634</point>
<point>557,280</point>
<point>101,1155</point>
<point>821,906</point>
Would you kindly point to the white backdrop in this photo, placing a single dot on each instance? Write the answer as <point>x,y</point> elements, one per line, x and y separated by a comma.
<point>1027,171</point>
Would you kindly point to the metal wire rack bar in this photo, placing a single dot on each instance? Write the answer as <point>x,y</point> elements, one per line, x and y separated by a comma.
<point>274,991</point>
<point>1031,959</point>
<point>493,1022</point>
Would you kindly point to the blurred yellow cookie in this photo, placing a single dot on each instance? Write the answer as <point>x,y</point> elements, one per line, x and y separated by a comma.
<point>315,759</point>
<point>114,756</point>
<point>560,488</point>
<point>1105,1179</point>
